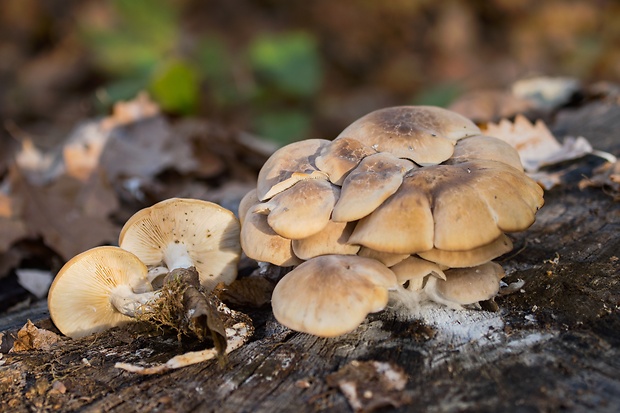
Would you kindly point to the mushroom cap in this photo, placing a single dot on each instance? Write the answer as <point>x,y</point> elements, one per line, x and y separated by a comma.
<point>302,210</point>
<point>414,270</point>
<point>261,243</point>
<point>79,298</point>
<point>330,240</point>
<point>331,294</point>
<point>208,232</point>
<point>339,157</point>
<point>295,157</point>
<point>248,201</point>
<point>376,178</point>
<point>464,286</point>
<point>488,148</point>
<point>423,134</point>
<point>451,207</point>
<point>469,258</point>
<point>388,259</point>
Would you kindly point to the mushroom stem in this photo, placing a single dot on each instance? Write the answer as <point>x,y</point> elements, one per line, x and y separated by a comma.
<point>125,301</point>
<point>176,256</point>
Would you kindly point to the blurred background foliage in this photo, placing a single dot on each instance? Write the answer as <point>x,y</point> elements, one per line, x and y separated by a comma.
<point>285,70</point>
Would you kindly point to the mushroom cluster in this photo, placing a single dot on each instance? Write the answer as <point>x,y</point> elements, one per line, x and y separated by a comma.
<point>108,286</point>
<point>415,195</point>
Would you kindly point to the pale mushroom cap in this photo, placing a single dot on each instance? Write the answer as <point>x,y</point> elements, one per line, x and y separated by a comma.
<point>424,134</point>
<point>340,157</point>
<point>302,210</point>
<point>468,285</point>
<point>369,184</point>
<point>388,259</point>
<point>261,243</point>
<point>208,232</point>
<point>469,258</point>
<point>248,201</point>
<point>330,240</point>
<point>486,148</point>
<point>79,298</point>
<point>294,157</point>
<point>331,294</point>
<point>414,270</point>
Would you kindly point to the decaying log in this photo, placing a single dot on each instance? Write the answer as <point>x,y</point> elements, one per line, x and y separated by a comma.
<point>553,345</point>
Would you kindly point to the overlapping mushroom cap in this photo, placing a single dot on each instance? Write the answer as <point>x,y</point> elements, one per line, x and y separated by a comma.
<point>411,181</point>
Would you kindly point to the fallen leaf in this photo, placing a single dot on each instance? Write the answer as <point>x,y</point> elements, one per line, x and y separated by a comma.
<point>607,177</point>
<point>37,282</point>
<point>30,337</point>
<point>536,145</point>
<point>547,92</point>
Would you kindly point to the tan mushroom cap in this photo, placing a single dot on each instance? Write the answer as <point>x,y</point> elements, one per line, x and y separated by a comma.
<point>302,210</point>
<point>488,148</point>
<point>424,134</point>
<point>181,232</point>
<point>330,240</point>
<point>248,201</point>
<point>297,157</point>
<point>331,294</point>
<point>79,299</point>
<point>466,285</point>
<point>388,259</point>
<point>376,178</point>
<point>469,258</point>
<point>261,243</point>
<point>340,157</point>
<point>414,270</point>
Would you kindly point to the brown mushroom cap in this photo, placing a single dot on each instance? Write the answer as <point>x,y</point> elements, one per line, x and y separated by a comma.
<point>302,210</point>
<point>339,157</point>
<point>297,157</point>
<point>466,285</point>
<point>186,232</point>
<point>80,298</point>
<point>261,243</point>
<point>388,259</point>
<point>376,178</point>
<point>424,134</point>
<point>485,148</point>
<point>248,201</point>
<point>330,240</point>
<point>331,294</point>
<point>472,203</point>
<point>469,258</point>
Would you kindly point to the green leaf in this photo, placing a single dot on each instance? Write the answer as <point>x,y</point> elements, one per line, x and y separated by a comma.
<point>289,62</point>
<point>176,87</point>
<point>216,66</point>
<point>283,127</point>
<point>438,95</point>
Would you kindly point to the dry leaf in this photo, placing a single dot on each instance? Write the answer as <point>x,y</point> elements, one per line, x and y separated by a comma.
<point>606,176</point>
<point>547,92</point>
<point>32,338</point>
<point>536,145</point>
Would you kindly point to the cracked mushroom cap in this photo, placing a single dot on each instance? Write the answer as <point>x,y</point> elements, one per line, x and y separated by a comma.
<point>331,295</point>
<point>339,157</point>
<point>464,286</point>
<point>181,233</point>
<point>376,178</point>
<point>294,158</point>
<point>79,299</point>
<point>423,134</point>
<point>451,207</point>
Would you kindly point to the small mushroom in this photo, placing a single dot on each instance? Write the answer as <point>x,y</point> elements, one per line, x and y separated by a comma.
<point>424,134</point>
<point>248,201</point>
<point>184,233</point>
<point>388,259</point>
<point>340,157</point>
<point>414,270</point>
<point>469,258</point>
<point>464,286</point>
<point>332,294</point>
<point>485,148</point>
<point>98,289</point>
<point>303,210</point>
<point>330,240</point>
<point>369,184</point>
<point>262,244</point>
<point>296,157</point>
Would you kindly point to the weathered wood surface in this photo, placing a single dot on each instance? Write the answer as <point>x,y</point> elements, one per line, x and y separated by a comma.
<point>554,346</point>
